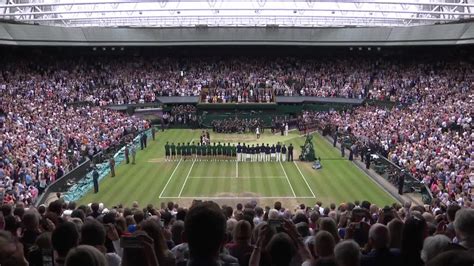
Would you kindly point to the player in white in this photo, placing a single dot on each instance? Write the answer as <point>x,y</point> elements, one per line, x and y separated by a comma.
<point>257,131</point>
<point>286,129</point>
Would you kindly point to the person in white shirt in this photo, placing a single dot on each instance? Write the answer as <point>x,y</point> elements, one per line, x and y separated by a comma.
<point>286,129</point>
<point>257,131</point>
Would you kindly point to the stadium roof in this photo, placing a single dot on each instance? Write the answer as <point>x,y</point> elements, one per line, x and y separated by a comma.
<point>245,13</point>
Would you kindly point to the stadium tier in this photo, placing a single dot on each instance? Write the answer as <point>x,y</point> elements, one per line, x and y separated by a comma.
<point>168,133</point>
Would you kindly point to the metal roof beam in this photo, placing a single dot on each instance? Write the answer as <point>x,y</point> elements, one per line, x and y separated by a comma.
<point>147,2</point>
<point>434,11</point>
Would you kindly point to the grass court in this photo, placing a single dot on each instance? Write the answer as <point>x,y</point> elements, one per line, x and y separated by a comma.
<point>154,180</point>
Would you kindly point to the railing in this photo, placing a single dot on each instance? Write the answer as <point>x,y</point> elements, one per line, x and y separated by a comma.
<point>73,177</point>
<point>66,181</point>
<point>84,184</point>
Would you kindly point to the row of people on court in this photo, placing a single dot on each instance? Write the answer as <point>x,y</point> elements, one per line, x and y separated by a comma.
<point>262,153</point>
<point>254,152</point>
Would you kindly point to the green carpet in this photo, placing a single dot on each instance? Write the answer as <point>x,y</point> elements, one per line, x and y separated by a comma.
<point>154,180</point>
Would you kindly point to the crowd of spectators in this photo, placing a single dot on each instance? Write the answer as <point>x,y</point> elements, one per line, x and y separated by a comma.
<point>237,125</point>
<point>103,80</point>
<point>352,233</point>
<point>431,137</point>
<point>181,114</point>
<point>42,137</point>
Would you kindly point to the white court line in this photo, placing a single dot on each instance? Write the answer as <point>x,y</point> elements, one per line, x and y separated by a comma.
<point>241,177</point>
<point>203,197</point>
<point>171,176</point>
<point>287,179</point>
<point>304,179</point>
<point>186,180</point>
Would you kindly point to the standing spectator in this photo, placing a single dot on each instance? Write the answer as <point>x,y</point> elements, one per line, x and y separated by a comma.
<point>85,255</point>
<point>413,235</point>
<point>463,225</point>
<point>163,254</point>
<point>347,253</point>
<point>64,238</point>
<point>379,253</point>
<point>240,246</point>
<point>205,228</point>
<point>93,234</point>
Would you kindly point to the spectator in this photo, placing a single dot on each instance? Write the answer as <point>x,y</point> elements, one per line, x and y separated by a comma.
<point>93,234</point>
<point>347,253</point>
<point>413,235</point>
<point>176,232</point>
<point>395,227</point>
<point>64,238</point>
<point>153,230</point>
<point>324,244</point>
<point>434,245</point>
<point>463,225</point>
<point>11,251</point>
<point>379,253</point>
<point>30,229</point>
<point>241,247</point>
<point>204,229</point>
<point>85,255</point>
